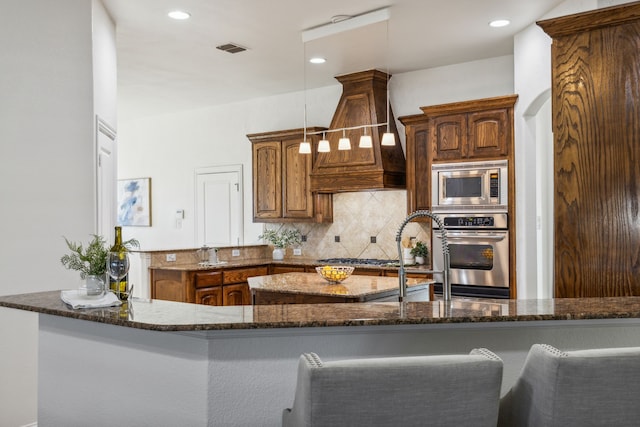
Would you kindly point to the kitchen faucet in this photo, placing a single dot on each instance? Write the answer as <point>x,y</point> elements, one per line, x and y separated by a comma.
<point>402,275</point>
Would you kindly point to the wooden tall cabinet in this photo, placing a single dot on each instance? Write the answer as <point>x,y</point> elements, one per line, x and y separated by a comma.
<point>281,179</point>
<point>595,58</point>
<point>475,130</point>
<point>418,151</point>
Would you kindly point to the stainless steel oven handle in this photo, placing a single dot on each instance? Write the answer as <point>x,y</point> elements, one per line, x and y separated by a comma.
<point>461,236</point>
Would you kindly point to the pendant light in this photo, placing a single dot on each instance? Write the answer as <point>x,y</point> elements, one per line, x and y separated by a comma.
<point>305,146</point>
<point>365,140</point>
<point>344,143</point>
<point>388,138</point>
<point>323,145</point>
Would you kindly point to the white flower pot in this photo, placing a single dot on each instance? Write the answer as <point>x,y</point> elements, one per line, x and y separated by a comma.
<point>406,256</point>
<point>419,260</point>
<point>278,254</point>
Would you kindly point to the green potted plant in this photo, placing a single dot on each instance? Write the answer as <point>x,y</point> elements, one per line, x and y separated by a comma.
<point>420,251</point>
<point>281,239</point>
<point>91,261</point>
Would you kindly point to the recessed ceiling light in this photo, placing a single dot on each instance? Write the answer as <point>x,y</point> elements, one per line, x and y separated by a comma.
<point>496,23</point>
<point>317,60</point>
<point>179,15</point>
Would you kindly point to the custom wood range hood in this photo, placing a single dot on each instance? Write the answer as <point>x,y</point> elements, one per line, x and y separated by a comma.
<point>363,102</point>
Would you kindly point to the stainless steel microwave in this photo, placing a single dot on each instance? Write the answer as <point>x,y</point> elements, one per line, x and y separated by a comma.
<point>469,186</point>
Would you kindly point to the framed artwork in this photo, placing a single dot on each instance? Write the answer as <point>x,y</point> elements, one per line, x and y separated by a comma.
<point>134,202</point>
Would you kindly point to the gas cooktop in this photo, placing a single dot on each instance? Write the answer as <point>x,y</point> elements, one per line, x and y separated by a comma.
<point>359,261</point>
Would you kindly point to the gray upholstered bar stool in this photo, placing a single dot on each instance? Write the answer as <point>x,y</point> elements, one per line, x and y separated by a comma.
<point>443,390</point>
<point>599,387</point>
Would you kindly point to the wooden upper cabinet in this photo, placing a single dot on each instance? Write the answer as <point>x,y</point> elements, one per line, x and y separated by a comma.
<point>281,179</point>
<point>489,133</point>
<point>471,130</point>
<point>296,194</point>
<point>595,75</point>
<point>449,137</point>
<point>267,180</point>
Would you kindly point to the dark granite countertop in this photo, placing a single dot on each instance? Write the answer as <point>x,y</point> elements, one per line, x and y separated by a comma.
<point>161,315</point>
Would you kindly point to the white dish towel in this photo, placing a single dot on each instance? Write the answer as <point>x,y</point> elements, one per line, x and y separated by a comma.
<point>77,300</point>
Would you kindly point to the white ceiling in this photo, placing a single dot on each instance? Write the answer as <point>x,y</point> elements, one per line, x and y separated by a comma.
<point>166,65</point>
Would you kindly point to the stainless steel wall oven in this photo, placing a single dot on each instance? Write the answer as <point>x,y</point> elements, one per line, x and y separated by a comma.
<point>479,254</point>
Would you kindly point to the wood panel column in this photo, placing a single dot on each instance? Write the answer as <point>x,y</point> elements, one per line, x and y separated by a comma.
<point>596,124</point>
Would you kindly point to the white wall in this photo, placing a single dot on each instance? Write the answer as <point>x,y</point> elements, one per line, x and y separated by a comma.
<point>169,148</point>
<point>105,66</point>
<point>47,186</point>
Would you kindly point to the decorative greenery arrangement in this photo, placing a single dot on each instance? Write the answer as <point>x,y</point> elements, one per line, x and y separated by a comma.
<point>91,261</point>
<point>420,249</point>
<point>282,239</point>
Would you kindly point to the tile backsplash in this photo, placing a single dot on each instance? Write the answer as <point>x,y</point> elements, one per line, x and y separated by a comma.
<point>364,225</point>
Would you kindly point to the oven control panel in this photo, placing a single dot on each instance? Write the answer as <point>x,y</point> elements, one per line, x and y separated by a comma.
<point>462,220</point>
<point>469,221</point>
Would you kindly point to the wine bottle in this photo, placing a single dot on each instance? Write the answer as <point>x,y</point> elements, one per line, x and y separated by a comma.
<point>119,287</point>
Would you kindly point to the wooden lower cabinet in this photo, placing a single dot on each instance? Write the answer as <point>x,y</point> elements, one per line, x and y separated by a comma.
<point>236,294</point>
<point>275,298</point>
<point>217,287</point>
<point>210,296</point>
<point>279,269</point>
<point>231,287</point>
<point>169,285</point>
<point>368,271</point>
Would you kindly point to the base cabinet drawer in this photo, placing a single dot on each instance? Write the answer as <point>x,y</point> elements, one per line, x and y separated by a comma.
<point>241,275</point>
<point>207,279</point>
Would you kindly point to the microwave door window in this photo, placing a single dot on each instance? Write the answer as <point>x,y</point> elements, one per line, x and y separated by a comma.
<point>467,187</point>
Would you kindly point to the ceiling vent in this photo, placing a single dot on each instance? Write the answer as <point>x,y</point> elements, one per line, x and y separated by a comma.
<point>231,48</point>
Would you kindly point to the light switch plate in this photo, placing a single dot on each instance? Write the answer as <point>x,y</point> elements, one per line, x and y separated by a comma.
<point>235,252</point>
<point>171,257</point>
<point>297,251</point>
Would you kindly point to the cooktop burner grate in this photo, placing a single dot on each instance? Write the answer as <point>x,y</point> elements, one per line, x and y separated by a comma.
<point>359,261</point>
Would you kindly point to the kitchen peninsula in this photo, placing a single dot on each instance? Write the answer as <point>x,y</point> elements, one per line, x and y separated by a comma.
<point>166,363</point>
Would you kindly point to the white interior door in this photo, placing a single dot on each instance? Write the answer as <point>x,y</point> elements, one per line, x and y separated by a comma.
<point>105,178</point>
<point>219,206</point>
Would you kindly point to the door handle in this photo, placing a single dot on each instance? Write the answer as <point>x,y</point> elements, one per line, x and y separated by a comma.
<point>492,238</point>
